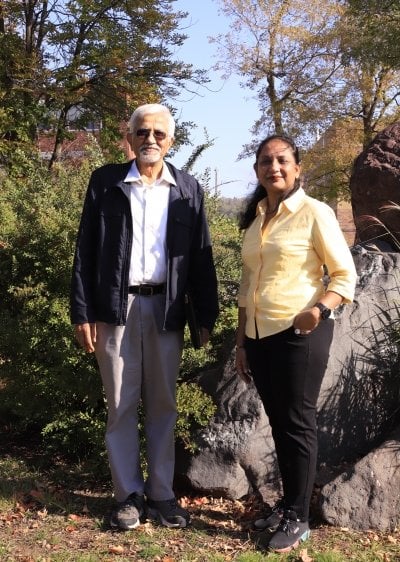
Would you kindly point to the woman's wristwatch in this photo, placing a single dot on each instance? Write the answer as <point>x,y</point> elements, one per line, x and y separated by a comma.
<point>324,310</point>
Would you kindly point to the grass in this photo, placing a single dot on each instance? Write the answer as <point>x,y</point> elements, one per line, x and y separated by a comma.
<point>59,514</point>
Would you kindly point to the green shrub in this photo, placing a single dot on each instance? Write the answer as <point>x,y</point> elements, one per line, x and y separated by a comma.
<point>195,409</point>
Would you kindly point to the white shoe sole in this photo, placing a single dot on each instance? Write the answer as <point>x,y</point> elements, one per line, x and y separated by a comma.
<point>123,527</point>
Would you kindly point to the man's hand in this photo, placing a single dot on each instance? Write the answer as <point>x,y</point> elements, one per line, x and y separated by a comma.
<point>205,336</point>
<point>86,336</point>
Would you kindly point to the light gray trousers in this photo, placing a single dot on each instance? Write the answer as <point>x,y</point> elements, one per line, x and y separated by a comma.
<point>140,361</point>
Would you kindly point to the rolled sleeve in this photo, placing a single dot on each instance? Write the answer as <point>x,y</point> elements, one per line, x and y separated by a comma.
<point>332,248</point>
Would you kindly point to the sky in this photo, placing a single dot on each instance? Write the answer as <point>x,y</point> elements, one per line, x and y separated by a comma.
<point>224,108</point>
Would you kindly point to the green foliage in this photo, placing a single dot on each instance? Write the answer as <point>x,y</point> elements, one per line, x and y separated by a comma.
<point>77,434</point>
<point>195,409</point>
<point>197,152</point>
<point>376,32</point>
<point>86,61</point>
<point>227,242</point>
<point>327,165</point>
<point>46,380</point>
<point>194,360</point>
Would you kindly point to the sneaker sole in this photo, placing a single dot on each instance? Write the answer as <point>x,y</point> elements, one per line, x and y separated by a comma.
<point>306,535</point>
<point>157,516</point>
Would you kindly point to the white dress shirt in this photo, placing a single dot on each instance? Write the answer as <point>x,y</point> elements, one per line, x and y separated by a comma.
<point>149,207</point>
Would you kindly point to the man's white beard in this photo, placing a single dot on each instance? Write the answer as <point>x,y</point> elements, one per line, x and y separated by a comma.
<point>150,157</point>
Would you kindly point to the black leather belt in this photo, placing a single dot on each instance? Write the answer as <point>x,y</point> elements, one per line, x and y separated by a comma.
<point>146,290</point>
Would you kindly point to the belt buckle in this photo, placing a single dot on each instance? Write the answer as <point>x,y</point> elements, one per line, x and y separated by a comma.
<point>146,291</point>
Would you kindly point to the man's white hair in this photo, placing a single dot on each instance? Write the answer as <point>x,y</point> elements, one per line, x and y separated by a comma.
<point>150,108</point>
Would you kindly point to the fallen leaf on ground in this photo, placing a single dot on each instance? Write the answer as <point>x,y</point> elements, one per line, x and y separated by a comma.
<point>304,556</point>
<point>201,501</point>
<point>37,494</point>
<point>20,507</point>
<point>116,549</point>
<point>148,528</point>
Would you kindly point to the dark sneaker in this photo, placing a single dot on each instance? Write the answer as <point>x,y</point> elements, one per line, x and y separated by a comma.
<point>289,534</point>
<point>168,512</point>
<point>127,514</point>
<point>270,518</point>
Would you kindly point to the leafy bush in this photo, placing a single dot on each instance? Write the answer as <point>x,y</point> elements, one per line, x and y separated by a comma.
<point>195,409</point>
<point>46,380</point>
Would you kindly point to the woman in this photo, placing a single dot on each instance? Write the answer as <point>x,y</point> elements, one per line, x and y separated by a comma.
<point>285,326</point>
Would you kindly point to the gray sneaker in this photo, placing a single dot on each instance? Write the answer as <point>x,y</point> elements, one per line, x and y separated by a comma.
<point>270,518</point>
<point>168,512</point>
<point>127,514</point>
<point>289,534</point>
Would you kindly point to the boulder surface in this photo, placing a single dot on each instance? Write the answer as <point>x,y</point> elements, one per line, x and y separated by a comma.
<point>375,184</point>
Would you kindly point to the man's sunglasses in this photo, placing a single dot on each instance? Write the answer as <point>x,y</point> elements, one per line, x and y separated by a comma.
<point>144,133</point>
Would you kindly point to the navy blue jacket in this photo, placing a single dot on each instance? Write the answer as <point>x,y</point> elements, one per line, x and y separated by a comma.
<point>99,290</point>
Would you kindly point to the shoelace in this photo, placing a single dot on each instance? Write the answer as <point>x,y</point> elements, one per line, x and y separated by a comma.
<point>130,502</point>
<point>278,506</point>
<point>287,525</point>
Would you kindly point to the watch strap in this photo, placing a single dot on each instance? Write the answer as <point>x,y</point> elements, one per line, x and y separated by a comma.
<point>324,310</point>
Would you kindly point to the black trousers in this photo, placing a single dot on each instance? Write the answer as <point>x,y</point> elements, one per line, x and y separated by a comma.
<point>287,370</point>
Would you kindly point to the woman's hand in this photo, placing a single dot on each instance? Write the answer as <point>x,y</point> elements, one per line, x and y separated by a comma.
<point>241,365</point>
<point>307,320</point>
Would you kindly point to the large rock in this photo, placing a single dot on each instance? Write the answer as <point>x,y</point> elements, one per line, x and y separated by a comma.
<point>357,407</point>
<point>360,393</point>
<point>368,495</point>
<point>375,182</point>
<point>236,447</point>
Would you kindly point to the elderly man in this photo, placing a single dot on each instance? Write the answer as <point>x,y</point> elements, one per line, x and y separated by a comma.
<point>143,241</point>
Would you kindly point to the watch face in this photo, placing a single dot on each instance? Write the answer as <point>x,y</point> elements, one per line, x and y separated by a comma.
<point>325,311</point>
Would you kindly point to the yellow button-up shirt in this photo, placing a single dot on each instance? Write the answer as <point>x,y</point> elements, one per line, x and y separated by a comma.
<point>283,266</point>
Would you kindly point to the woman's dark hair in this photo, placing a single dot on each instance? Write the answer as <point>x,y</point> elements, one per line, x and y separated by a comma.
<point>249,213</point>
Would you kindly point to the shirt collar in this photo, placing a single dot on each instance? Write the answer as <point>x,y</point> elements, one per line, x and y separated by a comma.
<point>292,203</point>
<point>134,175</point>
